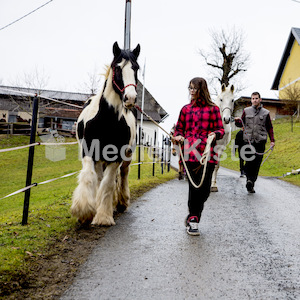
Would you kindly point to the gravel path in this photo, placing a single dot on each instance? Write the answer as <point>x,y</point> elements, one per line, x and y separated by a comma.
<point>249,246</point>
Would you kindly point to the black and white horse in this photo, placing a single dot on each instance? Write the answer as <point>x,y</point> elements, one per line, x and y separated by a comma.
<point>106,131</point>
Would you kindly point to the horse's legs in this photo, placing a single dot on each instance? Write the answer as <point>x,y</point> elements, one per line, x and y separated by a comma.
<point>214,187</point>
<point>99,168</point>
<point>105,196</point>
<point>83,201</point>
<point>122,191</point>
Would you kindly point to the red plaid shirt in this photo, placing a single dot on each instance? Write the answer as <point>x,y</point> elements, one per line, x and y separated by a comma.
<point>196,121</point>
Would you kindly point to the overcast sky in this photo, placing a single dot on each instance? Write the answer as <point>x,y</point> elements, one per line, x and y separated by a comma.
<point>67,39</point>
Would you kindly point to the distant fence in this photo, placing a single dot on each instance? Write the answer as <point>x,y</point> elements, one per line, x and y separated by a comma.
<point>15,128</point>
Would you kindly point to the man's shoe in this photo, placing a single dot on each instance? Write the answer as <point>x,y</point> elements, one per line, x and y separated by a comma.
<point>192,226</point>
<point>242,174</point>
<point>250,186</point>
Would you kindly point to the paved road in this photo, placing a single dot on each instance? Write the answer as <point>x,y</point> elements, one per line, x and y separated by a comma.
<point>249,247</point>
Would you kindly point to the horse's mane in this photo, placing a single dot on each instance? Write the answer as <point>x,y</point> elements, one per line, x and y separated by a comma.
<point>107,69</point>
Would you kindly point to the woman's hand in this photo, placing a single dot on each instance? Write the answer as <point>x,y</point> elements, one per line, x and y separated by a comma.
<point>178,139</point>
<point>212,134</point>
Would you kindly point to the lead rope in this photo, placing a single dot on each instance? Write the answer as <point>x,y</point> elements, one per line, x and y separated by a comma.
<point>249,142</point>
<point>203,161</point>
<point>205,156</point>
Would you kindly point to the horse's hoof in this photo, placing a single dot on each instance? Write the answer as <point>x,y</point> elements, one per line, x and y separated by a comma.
<point>83,218</point>
<point>85,222</point>
<point>103,220</point>
<point>213,189</point>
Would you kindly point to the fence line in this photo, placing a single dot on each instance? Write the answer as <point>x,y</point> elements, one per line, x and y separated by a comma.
<point>33,143</point>
<point>64,176</point>
<point>37,144</point>
<point>67,175</point>
<point>35,184</point>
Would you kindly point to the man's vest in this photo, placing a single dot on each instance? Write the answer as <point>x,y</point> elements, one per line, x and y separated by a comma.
<point>255,124</point>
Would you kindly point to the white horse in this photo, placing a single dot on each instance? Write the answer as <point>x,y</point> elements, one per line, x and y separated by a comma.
<point>106,133</point>
<point>225,101</point>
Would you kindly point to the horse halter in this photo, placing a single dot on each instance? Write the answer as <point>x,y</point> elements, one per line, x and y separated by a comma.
<point>227,107</point>
<point>114,82</point>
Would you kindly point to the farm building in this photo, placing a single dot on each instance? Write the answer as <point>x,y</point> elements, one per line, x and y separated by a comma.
<point>16,107</point>
<point>278,108</point>
<point>287,82</point>
<point>287,78</point>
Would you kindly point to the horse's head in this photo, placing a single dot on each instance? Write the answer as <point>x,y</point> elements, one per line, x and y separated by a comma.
<point>124,68</point>
<point>225,101</point>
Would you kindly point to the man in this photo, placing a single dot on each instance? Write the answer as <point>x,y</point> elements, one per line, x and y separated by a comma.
<point>257,126</point>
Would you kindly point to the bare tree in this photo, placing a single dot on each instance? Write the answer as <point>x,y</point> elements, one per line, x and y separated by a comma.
<point>291,93</point>
<point>35,80</point>
<point>226,59</point>
<point>92,84</point>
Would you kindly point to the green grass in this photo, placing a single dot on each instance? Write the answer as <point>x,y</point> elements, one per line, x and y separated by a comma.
<point>285,156</point>
<point>49,210</point>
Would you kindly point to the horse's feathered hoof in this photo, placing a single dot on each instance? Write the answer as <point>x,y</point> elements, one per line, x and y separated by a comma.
<point>103,220</point>
<point>213,189</point>
<point>84,215</point>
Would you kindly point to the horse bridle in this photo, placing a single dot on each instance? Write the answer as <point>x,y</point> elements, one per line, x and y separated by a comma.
<point>114,82</point>
<point>227,107</point>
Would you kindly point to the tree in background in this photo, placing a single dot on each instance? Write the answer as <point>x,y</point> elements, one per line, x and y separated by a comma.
<point>35,80</point>
<point>93,83</point>
<point>226,59</point>
<point>291,93</point>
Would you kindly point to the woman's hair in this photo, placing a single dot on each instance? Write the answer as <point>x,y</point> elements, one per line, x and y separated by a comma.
<point>202,90</point>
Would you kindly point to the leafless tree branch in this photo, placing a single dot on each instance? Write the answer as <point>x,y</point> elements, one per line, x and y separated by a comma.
<point>226,58</point>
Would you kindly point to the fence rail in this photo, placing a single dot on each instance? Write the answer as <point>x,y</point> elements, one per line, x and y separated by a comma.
<point>13,128</point>
<point>158,155</point>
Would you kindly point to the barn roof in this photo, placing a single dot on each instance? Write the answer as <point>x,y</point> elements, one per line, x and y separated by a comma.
<point>58,95</point>
<point>151,106</point>
<point>294,35</point>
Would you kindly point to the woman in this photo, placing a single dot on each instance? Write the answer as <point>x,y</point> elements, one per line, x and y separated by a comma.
<point>198,120</point>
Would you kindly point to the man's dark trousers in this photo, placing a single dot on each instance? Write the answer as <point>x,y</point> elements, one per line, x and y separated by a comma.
<point>252,167</point>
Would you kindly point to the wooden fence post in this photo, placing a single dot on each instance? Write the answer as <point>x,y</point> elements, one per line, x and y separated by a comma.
<point>154,154</point>
<point>169,154</point>
<point>30,159</point>
<point>162,155</point>
<point>139,153</point>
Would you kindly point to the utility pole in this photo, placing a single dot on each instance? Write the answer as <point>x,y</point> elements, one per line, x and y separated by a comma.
<point>127,25</point>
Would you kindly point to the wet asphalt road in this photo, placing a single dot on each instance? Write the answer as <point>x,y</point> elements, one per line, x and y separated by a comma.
<point>249,246</point>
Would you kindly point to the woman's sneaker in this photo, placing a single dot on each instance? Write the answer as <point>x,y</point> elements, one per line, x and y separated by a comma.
<point>192,226</point>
